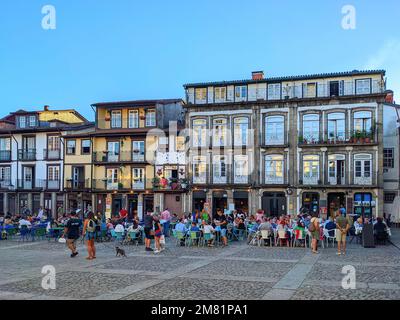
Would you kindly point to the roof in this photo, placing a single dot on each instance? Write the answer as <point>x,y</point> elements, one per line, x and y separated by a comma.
<point>136,103</point>
<point>288,78</point>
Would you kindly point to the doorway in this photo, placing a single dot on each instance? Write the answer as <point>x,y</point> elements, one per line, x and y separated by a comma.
<point>335,200</point>
<point>132,206</point>
<point>199,198</point>
<point>241,200</point>
<point>220,201</point>
<point>311,202</point>
<point>148,203</point>
<point>116,206</point>
<point>274,203</point>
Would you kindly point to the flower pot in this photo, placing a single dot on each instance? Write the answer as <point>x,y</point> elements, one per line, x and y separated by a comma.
<point>362,140</point>
<point>367,140</point>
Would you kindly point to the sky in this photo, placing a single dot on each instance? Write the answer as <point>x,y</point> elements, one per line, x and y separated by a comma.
<point>114,50</point>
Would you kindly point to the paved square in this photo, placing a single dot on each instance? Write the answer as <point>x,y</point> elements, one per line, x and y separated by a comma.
<point>236,272</point>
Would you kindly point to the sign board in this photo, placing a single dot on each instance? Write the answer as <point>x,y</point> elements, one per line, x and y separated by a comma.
<point>108,206</point>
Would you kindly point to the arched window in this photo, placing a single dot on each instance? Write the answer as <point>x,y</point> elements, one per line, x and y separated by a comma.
<point>363,121</point>
<point>199,132</point>
<point>241,131</point>
<point>274,169</point>
<point>337,126</point>
<point>219,132</point>
<point>311,127</point>
<point>274,130</point>
<point>310,169</point>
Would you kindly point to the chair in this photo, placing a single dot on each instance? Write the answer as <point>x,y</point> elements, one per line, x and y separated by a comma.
<point>299,236</point>
<point>24,233</point>
<point>282,237</point>
<point>180,237</point>
<point>206,238</point>
<point>117,236</point>
<point>329,237</point>
<point>194,236</point>
<point>134,237</point>
<point>38,233</point>
<point>265,235</point>
<point>11,231</point>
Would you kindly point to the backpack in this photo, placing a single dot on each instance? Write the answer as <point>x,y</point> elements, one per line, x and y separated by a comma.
<point>311,227</point>
<point>91,227</point>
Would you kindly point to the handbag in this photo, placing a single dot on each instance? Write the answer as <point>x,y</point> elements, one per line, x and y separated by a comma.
<point>62,240</point>
<point>162,240</point>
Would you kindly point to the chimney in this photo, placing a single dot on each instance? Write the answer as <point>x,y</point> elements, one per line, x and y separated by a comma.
<point>389,97</point>
<point>257,75</point>
<point>46,108</point>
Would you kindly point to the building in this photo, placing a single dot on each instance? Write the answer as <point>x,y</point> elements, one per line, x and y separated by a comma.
<point>285,144</point>
<point>31,158</point>
<point>78,167</point>
<point>128,138</point>
<point>391,160</point>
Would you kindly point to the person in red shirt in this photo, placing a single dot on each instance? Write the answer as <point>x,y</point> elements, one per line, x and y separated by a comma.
<point>123,213</point>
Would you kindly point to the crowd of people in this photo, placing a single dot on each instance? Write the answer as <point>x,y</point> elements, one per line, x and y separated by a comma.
<point>233,224</point>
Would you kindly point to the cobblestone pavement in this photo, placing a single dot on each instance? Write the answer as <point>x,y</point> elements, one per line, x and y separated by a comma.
<point>236,272</point>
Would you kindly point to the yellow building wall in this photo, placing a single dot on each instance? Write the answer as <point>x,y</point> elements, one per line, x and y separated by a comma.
<point>63,115</point>
<point>102,113</point>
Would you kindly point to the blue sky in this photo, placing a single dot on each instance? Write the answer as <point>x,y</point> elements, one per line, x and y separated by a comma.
<point>105,50</point>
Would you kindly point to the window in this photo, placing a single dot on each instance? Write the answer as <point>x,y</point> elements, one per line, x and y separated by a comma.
<point>336,126</point>
<point>5,144</point>
<point>53,177</point>
<point>220,94</point>
<point>71,147</point>
<point>363,121</point>
<point>112,179</point>
<point>310,169</point>
<point>336,169</point>
<point>219,132</point>
<point>362,169</point>
<point>199,169</point>
<point>389,197</point>
<point>363,86</point>
<point>113,151</point>
<point>241,93</point>
<point>199,132</point>
<point>274,91</point>
<point>241,131</point>
<point>32,121</point>
<point>138,150</point>
<point>274,169</point>
<point>311,127</point>
<point>201,95</point>
<point>150,118</point>
<point>309,90</point>
<point>180,143</point>
<point>219,169</point>
<point>241,169</point>
<point>53,143</point>
<point>85,146</point>
<point>116,119</point>
<point>22,122</point>
<point>133,119</point>
<point>5,176</point>
<point>274,130</point>
<point>138,178</point>
<point>388,158</point>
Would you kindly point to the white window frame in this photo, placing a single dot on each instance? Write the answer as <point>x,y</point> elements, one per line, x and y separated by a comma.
<point>220,169</point>
<point>241,93</point>
<point>274,91</point>
<point>53,177</point>
<point>112,178</point>
<point>241,169</point>
<point>220,94</point>
<point>140,146</point>
<point>199,168</point>
<point>312,176</point>
<point>333,168</point>
<point>200,95</point>
<point>241,131</point>
<point>220,132</point>
<point>199,128</point>
<point>277,136</point>
<point>138,178</point>
<point>312,135</point>
<point>116,119</point>
<point>22,122</point>
<point>363,86</point>
<point>272,164</point>
<point>334,119</point>
<point>363,118</point>
<point>151,118</point>
<point>133,119</point>
<point>362,176</point>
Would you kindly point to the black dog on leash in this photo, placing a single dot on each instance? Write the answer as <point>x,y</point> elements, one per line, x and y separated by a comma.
<point>120,252</point>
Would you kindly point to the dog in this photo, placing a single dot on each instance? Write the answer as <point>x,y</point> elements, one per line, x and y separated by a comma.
<point>120,252</point>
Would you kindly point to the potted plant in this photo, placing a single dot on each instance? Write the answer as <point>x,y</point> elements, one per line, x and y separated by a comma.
<point>159,172</point>
<point>301,139</point>
<point>173,182</point>
<point>120,185</point>
<point>184,183</point>
<point>156,182</point>
<point>362,137</point>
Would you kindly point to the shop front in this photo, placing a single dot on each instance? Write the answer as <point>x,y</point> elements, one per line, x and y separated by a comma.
<point>219,201</point>
<point>335,201</point>
<point>274,203</point>
<point>363,205</point>
<point>310,202</point>
<point>199,198</point>
<point>241,201</point>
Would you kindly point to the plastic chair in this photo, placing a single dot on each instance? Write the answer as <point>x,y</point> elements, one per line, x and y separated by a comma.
<point>282,237</point>
<point>207,237</point>
<point>299,236</point>
<point>329,237</point>
<point>24,233</point>
<point>194,236</point>
<point>134,237</point>
<point>180,237</point>
<point>265,235</point>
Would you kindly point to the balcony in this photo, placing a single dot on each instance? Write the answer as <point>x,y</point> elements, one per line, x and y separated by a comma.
<point>77,184</point>
<point>272,179</point>
<point>356,138</point>
<point>51,154</point>
<point>169,158</point>
<point>5,155</point>
<point>120,185</point>
<point>123,156</point>
<point>26,154</point>
<point>24,184</point>
<point>53,185</point>
<point>173,184</point>
<point>5,184</point>
<point>362,181</point>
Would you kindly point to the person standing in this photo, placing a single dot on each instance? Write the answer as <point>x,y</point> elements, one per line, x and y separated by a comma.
<point>166,219</point>
<point>314,229</point>
<point>157,233</point>
<point>71,232</point>
<point>89,233</point>
<point>342,226</point>
<point>221,222</point>
<point>148,230</point>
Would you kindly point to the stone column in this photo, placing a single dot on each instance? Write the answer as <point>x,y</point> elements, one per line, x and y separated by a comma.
<point>42,199</point>
<point>5,202</point>
<point>54,204</point>
<point>141,212</point>
<point>30,202</point>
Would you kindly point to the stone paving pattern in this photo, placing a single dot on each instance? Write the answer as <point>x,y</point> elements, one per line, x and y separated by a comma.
<point>236,272</point>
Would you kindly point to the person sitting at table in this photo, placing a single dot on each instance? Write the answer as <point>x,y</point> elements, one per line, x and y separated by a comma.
<point>208,229</point>
<point>135,228</point>
<point>181,227</point>
<point>358,226</point>
<point>174,218</point>
<point>330,225</point>
<point>194,227</point>
<point>119,228</point>
<point>266,225</point>
<point>253,230</point>
<point>24,222</point>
